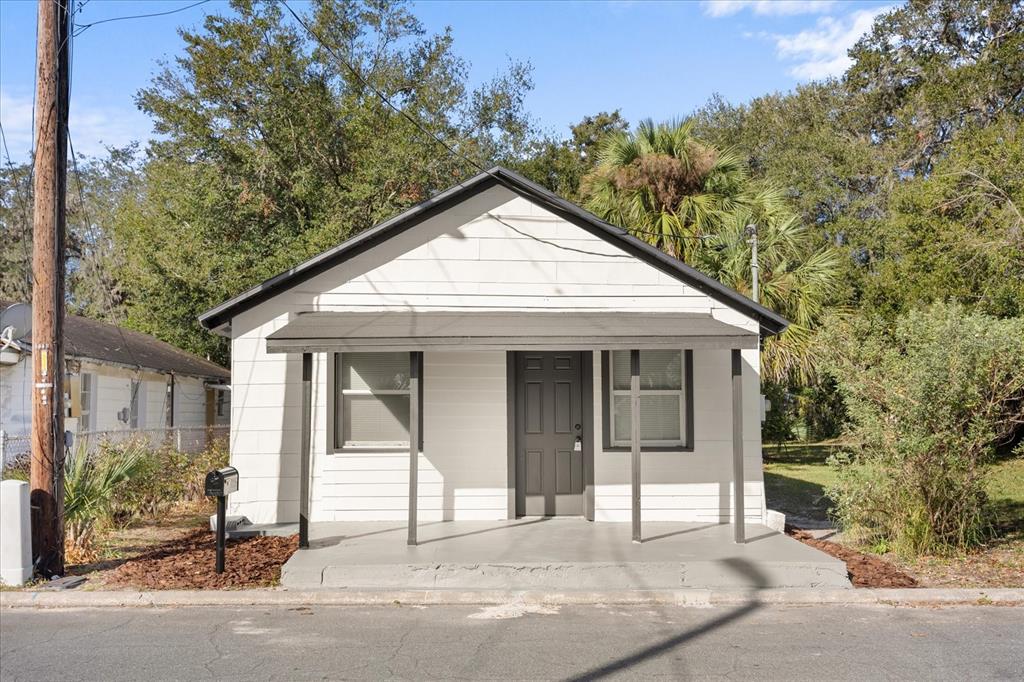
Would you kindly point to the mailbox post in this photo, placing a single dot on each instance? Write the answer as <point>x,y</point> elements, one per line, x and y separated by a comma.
<point>220,483</point>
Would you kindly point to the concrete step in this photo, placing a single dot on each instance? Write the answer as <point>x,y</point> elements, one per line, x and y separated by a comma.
<point>568,576</point>
<point>250,530</point>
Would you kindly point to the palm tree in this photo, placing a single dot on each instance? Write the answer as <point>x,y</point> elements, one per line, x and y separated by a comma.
<point>695,202</point>
<point>664,185</point>
<point>795,279</point>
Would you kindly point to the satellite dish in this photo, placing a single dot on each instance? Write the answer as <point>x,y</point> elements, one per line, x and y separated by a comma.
<point>19,318</point>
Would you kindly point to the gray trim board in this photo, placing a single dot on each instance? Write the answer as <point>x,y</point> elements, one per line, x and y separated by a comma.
<point>305,454</point>
<point>219,318</point>
<point>539,330</point>
<point>739,515</point>
<point>587,378</point>
<point>415,410</point>
<point>515,344</point>
<point>635,458</point>
<point>510,427</point>
<point>606,435</point>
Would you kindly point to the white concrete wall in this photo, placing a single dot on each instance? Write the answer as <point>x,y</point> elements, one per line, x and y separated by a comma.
<point>689,486</point>
<point>466,258</point>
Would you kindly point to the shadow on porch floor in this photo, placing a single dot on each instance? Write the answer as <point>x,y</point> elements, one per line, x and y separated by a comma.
<point>554,554</point>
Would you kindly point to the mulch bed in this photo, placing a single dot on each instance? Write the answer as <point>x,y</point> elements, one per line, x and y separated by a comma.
<point>865,570</point>
<point>188,564</point>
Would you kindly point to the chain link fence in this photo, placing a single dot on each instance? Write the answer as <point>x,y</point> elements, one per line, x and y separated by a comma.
<point>187,439</point>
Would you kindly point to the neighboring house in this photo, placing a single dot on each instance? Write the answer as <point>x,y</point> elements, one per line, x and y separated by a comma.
<point>493,326</point>
<point>118,381</point>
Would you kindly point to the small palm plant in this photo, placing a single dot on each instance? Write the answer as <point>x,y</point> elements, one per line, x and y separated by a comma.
<point>91,483</point>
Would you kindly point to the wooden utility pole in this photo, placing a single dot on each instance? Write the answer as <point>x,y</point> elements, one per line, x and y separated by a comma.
<point>48,228</point>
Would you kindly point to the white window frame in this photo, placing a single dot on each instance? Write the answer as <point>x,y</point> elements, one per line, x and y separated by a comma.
<point>87,388</point>
<point>616,392</point>
<point>338,393</point>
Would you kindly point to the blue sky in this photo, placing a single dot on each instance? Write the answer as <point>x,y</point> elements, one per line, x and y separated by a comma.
<point>656,59</point>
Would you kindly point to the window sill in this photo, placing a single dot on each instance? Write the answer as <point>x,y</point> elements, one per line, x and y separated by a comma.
<point>649,448</point>
<point>360,449</point>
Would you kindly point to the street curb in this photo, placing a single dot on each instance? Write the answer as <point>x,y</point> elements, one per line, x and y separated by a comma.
<point>693,598</point>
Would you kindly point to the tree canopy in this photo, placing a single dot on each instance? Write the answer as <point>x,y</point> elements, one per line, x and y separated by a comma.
<point>275,146</point>
<point>893,187</point>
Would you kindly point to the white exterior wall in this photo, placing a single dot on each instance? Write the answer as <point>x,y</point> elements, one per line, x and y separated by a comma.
<point>462,469</point>
<point>153,393</point>
<point>689,486</point>
<point>111,393</point>
<point>15,399</point>
<point>463,259</point>
<point>189,402</point>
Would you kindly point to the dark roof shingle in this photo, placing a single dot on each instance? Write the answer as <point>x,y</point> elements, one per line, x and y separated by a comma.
<point>95,340</point>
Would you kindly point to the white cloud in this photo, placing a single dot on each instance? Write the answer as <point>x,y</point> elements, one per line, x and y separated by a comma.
<point>820,52</point>
<point>92,126</point>
<point>16,118</point>
<point>727,8</point>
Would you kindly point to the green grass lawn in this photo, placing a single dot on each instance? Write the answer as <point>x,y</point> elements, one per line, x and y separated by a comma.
<point>1006,491</point>
<point>795,478</point>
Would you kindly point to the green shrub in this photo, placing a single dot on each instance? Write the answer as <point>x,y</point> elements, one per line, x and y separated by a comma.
<point>168,477</point>
<point>17,470</point>
<point>930,400</point>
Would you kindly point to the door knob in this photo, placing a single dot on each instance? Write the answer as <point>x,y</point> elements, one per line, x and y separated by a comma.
<point>578,427</point>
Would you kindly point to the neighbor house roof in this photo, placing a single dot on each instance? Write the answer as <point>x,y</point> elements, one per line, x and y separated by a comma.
<point>219,318</point>
<point>85,338</point>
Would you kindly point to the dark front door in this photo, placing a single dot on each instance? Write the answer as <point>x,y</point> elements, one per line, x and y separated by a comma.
<point>549,434</point>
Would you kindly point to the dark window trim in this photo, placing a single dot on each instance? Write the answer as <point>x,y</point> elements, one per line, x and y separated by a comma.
<point>332,445</point>
<point>606,429</point>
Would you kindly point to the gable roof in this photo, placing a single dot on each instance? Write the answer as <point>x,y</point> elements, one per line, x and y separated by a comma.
<point>219,317</point>
<point>85,338</point>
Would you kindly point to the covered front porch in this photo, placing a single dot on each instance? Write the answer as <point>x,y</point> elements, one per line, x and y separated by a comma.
<point>549,338</point>
<point>544,553</point>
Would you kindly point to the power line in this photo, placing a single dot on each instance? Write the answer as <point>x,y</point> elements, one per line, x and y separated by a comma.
<point>82,28</point>
<point>85,210</point>
<point>451,150</point>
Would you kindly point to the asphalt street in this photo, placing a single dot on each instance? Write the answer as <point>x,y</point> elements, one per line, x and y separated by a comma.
<point>513,642</point>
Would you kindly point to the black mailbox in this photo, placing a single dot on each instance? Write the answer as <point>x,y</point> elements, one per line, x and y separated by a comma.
<point>221,482</point>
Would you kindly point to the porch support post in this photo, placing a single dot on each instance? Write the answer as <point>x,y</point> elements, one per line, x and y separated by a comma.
<point>414,441</point>
<point>737,447</point>
<point>304,452</point>
<point>634,401</point>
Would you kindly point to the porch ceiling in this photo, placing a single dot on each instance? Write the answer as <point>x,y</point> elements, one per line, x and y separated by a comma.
<point>402,330</point>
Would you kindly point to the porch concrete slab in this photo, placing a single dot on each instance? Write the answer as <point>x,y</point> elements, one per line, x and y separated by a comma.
<point>555,554</point>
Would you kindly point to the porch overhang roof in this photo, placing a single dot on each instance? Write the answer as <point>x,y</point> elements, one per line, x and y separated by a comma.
<point>317,332</point>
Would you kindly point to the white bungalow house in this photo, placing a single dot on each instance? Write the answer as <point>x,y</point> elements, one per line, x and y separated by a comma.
<point>118,383</point>
<point>481,357</point>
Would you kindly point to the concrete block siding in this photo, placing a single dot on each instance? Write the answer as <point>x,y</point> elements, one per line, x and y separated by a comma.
<point>466,258</point>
